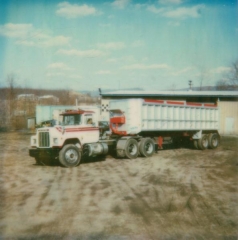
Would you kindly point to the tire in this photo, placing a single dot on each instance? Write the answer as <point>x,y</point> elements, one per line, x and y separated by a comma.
<point>70,156</point>
<point>195,143</point>
<point>213,140</point>
<point>146,147</point>
<point>131,148</point>
<point>203,142</point>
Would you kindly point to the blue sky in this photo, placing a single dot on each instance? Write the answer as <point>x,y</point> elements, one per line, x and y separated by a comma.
<point>84,45</point>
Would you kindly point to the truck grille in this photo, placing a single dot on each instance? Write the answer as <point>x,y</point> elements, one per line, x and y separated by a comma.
<point>44,139</point>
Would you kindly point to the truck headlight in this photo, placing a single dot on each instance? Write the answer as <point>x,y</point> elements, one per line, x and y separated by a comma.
<point>55,141</point>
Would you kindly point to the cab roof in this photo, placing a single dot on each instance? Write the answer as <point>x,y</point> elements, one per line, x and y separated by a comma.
<point>75,112</point>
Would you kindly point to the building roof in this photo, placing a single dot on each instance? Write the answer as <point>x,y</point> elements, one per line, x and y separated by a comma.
<point>217,94</point>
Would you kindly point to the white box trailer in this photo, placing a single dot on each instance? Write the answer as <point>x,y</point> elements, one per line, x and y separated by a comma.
<point>137,126</point>
<point>162,121</point>
<point>145,115</point>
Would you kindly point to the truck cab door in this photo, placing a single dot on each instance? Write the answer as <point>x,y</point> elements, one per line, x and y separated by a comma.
<point>91,130</point>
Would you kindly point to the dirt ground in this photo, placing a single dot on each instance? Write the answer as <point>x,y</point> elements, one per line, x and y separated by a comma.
<point>176,194</point>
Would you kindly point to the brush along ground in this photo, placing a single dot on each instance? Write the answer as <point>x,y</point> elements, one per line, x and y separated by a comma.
<point>175,194</point>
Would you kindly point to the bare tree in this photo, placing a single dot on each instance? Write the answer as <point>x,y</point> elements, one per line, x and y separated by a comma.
<point>230,79</point>
<point>233,74</point>
<point>11,100</point>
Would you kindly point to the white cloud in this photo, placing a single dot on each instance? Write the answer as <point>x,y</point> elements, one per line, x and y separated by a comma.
<point>16,30</point>
<point>120,3</point>
<point>59,66</point>
<point>27,35</point>
<point>185,12</point>
<point>220,70</point>
<point>182,71</point>
<point>140,5</point>
<point>146,67</point>
<point>170,1</point>
<point>178,13</point>
<point>153,9</point>
<point>112,60</point>
<point>46,42</point>
<point>55,74</point>
<point>112,45</point>
<point>68,10</point>
<point>103,72</point>
<point>86,53</point>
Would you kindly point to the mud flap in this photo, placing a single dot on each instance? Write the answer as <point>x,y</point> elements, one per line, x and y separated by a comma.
<point>121,148</point>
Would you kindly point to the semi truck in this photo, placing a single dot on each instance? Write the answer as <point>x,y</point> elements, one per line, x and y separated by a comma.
<point>137,127</point>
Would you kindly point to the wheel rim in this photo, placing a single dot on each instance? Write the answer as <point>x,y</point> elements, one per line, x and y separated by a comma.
<point>148,148</point>
<point>214,141</point>
<point>71,156</point>
<point>205,142</point>
<point>132,149</point>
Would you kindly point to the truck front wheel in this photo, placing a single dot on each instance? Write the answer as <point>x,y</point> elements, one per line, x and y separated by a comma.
<point>70,156</point>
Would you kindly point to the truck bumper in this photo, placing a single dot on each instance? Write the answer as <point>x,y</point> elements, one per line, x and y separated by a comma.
<point>44,152</point>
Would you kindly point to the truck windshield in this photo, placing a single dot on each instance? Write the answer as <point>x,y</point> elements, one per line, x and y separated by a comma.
<point>72,119</point>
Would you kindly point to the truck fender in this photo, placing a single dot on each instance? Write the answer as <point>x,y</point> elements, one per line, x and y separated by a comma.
<point>121,147</point>
<point>74,141</point>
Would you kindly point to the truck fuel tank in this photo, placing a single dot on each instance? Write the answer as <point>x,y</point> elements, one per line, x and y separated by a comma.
<point>94,149</point>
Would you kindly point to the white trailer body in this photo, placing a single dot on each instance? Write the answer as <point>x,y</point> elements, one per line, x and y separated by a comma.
<point>142,115</point>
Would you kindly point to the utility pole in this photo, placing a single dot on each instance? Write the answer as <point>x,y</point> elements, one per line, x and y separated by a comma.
<point>190,85</point>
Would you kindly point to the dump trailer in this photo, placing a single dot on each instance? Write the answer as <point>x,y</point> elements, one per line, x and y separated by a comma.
<point>137,127</point>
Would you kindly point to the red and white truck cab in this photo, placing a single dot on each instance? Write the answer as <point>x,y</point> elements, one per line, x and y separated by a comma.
<point>79,129</point>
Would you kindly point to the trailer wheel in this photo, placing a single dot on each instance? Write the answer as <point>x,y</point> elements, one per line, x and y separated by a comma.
<point>213,140</point>
<point>70,156</point>
<point>203,142</point>
<point>131,148</point>
<point>146,147</point>
<point>195,143</point>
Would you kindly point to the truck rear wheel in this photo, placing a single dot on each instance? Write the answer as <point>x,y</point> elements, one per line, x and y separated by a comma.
<point>213,140</point>
<point>70,156</point>
<point>203,142</point>
<point>131,148</point>
<point>146,147</point>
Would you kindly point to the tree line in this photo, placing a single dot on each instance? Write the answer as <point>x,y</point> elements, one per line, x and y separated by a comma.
<point>17,104</point>
<point>229,81</point>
